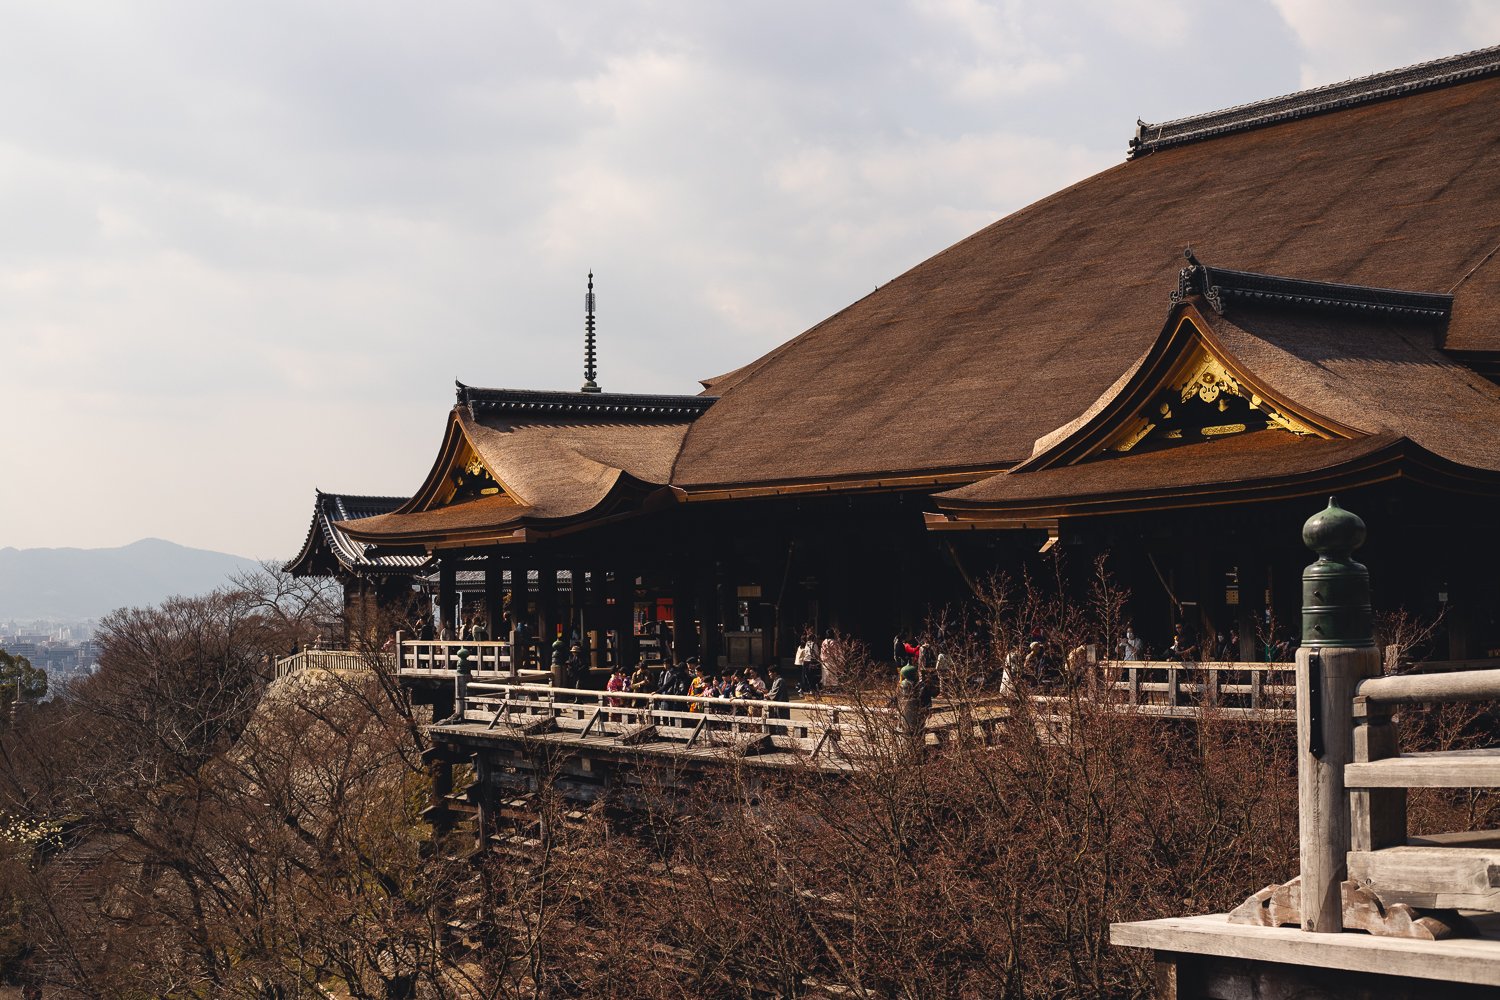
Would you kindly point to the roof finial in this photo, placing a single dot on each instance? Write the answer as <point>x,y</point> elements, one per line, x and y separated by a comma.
<point>590,369</point>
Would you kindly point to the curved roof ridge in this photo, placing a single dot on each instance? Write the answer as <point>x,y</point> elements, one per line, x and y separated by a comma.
<point>1350,93</point>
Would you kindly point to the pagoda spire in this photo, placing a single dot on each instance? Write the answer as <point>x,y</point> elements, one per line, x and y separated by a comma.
<point>590,368</point>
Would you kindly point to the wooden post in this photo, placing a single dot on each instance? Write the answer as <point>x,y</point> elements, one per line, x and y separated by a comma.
<point>1174,682</point>
<point>1210,686</point>
<point>1323,806</point>
<point>1257,687</point>
<point>546,606</point>
<point>1377,816</point>
<point>1135,685</point>
<point>629,649</point>
<point>494,595</point>
<point>485,800</point>
<point>447,594</point>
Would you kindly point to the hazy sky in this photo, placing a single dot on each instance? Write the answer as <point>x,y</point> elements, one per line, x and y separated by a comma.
<point>247,248</point>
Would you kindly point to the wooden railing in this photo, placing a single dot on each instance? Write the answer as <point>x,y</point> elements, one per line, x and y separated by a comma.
<point>338,660</point>
<point>1361,869</point>
<point>428,656</point>
<point>1219,684</point>
<point>686,720</point>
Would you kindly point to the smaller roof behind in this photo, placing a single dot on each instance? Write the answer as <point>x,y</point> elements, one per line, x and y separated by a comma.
<point>329,551</point>
<point>553,458</point>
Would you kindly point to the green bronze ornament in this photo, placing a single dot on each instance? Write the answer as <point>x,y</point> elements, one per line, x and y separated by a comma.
<point>1336,589</point>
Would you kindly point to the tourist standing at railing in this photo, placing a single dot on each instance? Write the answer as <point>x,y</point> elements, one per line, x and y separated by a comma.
<point>911,699</point>
<point>1184,646</point>
<point>757,683</point>
<point>777,691</point>
<point>617,682</point>
<point>425,631</point>
<point>830,661</point>
<point>577,669</point>
<point>807,660</point>
<point>1130,647</point>
<point>674,680</point>
<point>641,679</point>
<point>698,686</point>
<point>445,634</point>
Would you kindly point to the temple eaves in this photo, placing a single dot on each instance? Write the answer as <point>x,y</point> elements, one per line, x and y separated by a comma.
<point>617,405</point>
<point>1319,100</point>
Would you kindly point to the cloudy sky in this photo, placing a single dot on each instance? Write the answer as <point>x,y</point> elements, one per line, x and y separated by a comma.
<point>247,248</point>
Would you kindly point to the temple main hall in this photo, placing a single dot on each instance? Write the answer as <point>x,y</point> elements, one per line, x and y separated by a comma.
<point>1170,363</point>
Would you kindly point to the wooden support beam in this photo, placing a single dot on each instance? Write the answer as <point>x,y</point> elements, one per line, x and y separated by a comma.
<point>588,726</point>
<point>1377,816</point>
<point>638,734</point>
<point>1431,878</point>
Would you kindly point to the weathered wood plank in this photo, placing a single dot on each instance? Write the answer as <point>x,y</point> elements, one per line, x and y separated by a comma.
<point>1377,816</point>
<point>1432,878</point>
<point>1323,818</point>
<point>1450,769</point>
<point>1456,960</point>
<point>1402,689</point>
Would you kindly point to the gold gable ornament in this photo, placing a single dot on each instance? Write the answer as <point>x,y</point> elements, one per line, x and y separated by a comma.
<point>1204,400</point>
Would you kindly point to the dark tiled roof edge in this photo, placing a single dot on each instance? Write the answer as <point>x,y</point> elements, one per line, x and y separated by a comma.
<point>618,405</point>
<point>354,556</point>
<point>1220,285</point>
<point>1319,100</point>
<point>363,499</point>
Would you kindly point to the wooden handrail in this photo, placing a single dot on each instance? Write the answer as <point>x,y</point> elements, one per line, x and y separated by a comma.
<point>593,694</point>
<point>1408,689</point>
<point>1247,665</point>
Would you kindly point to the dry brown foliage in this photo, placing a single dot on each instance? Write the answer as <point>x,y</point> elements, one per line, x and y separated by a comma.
<point>223,844</point>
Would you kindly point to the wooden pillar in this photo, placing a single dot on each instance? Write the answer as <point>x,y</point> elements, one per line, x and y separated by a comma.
<point>1252,591</point>
<point>708,617</point>
<point>546,603</point>
<point>447,594</point>
<point>684,613</point>
<point>629,649</point>
<point>596,620</point>
<point>485,799</point>
<point>525,636</point>
<point>441,773</point>
<point>494,595</point>
<point>1331,673</point>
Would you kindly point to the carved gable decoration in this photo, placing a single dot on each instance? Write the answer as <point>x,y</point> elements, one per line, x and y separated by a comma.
<point>1202,399</point>
<point>1187,388</point>
<point>468,478</point>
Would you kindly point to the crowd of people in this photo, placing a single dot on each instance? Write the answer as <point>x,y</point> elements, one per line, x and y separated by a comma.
<point>693,679</point>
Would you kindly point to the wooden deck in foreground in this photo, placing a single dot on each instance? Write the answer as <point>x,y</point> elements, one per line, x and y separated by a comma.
<point>1207,956</point>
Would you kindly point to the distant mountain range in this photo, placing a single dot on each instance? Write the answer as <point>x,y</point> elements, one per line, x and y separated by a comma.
<point>74,584</point>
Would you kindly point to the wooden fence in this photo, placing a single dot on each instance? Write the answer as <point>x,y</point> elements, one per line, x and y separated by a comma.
<point>337,660</point>
<point>1227,684</point>
<point>745,726</point>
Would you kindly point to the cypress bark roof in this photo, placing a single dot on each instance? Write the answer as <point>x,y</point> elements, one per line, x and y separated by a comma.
<point>967,359</point>
<point>555,459</point>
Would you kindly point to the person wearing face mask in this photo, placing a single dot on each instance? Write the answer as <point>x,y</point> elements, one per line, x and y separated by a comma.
<point>1130,646</point>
